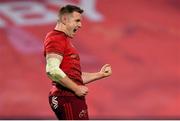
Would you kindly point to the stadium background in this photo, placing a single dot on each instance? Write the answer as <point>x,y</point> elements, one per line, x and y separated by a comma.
<point>139,38</point>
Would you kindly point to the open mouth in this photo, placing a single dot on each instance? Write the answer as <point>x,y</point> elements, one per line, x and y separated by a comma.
<point>74,30</point>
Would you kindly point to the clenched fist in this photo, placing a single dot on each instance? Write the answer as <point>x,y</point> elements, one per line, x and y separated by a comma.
<point>106,70</point>
<point>81,90</point>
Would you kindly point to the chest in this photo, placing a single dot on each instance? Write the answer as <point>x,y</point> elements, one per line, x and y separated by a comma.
<point>71,52</point>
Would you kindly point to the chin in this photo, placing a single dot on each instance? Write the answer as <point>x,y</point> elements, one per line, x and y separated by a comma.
<point>71,36</point>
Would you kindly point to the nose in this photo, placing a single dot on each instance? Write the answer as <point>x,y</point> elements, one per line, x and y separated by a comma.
<point>79,25</point>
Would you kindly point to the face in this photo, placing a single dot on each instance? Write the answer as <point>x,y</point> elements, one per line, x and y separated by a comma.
<point>73,23</point>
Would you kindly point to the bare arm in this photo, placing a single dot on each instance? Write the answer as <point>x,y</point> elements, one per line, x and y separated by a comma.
<point>53,71</point>
<point>90,77</point>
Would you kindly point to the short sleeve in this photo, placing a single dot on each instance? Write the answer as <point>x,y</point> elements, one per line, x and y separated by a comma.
<point>55,45</point>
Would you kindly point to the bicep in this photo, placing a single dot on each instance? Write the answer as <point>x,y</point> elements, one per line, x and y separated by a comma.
<point>53,71</point>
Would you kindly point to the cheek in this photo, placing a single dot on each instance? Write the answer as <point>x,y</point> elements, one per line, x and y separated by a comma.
<point>71,25</point>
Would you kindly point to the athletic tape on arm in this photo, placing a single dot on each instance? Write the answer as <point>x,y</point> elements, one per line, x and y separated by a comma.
<point>53,70</point>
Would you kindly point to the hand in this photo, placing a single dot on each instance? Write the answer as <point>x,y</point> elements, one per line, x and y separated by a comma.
<point>106,70</point>
<point>81,90</point>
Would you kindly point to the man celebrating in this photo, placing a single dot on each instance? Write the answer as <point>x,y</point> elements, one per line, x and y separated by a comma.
<point>67,96</point>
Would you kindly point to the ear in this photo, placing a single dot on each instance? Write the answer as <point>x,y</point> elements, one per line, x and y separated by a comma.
<point>64,19</point>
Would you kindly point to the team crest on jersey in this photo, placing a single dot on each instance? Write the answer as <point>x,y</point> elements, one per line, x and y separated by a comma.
<point>83,113</point>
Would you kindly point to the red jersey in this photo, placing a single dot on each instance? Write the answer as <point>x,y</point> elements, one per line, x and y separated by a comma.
<point>58,42</point>
<point>63,101</point>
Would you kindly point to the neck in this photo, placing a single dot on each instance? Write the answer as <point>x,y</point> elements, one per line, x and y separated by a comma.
<point>61,27</point>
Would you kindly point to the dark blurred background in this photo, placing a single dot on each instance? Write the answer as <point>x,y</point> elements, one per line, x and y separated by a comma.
<point>139,38</point>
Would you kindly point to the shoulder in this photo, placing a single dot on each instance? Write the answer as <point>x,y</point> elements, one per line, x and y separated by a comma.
<point>55,36</point>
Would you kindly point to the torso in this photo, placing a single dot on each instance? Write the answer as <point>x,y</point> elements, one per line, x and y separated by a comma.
<point>58,42</point>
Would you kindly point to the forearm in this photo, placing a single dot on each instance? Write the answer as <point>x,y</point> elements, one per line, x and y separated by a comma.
<point>68,83</point>
<point>64,81</point>
<point>90,77</point>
